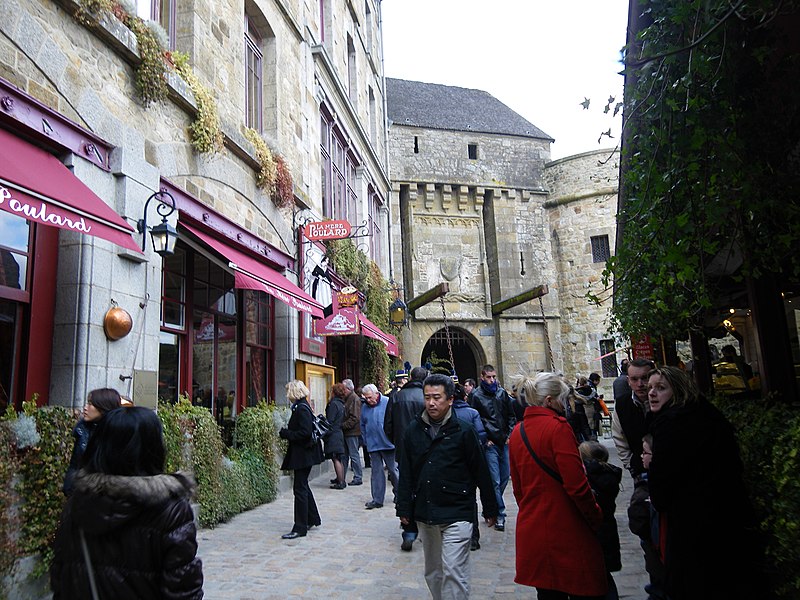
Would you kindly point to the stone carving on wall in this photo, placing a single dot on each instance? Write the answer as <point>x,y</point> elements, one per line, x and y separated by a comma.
<point>449,266</point>
<point>462,297</point>
<point>443,221</point>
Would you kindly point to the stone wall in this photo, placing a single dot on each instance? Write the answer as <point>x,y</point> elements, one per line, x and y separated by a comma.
<point>86,73</point>
<point>582,203</point>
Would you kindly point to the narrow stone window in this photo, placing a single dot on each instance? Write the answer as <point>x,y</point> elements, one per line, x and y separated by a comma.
<point>472,149</point>
<point>416,145</point>
<point>601,251</point>
<point>609,360</point>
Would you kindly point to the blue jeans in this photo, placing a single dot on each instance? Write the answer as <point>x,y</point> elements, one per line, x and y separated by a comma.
<point>497,457</point>
<point>353,455</point>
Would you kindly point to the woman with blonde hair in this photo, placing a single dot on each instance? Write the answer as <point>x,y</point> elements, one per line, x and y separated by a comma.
<point>303,453</point>
<point>558,551</point>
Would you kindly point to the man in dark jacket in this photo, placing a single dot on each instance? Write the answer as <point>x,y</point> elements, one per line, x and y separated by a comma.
<point>494,406</point>
<point>440,468</point>
<point>401,410</point>
<point>628,428</point>
<point>351,428</point>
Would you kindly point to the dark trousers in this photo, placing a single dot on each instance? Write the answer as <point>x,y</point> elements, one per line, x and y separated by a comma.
<point>305,508</point>
<point>476,524</point>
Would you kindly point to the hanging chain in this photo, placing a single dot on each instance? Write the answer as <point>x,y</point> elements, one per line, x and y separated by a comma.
<point>547,338</point>
<point>447,334</point>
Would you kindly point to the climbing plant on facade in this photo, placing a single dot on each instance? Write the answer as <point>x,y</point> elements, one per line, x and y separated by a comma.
<point>362,273</point>
<point>711,161</point>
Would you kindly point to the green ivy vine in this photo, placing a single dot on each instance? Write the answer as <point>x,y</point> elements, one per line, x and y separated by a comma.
<point>362,273</point>
<point>710,162</point>
<point>205,131</point>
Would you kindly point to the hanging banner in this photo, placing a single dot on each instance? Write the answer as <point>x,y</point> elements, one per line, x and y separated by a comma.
<point>327,230</point>
<point>642,347</point>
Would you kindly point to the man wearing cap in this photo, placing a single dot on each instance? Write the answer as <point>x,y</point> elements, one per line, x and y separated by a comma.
<point>400,379</point>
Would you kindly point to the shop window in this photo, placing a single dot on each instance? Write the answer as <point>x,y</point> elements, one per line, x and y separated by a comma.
<point>601,251</point>
<point>15,253</point>
<point>212,347</point>
<point>258,309</point>
<point>609,360</point>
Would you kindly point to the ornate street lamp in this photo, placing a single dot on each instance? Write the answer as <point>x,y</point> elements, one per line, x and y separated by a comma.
<point>163,235</point>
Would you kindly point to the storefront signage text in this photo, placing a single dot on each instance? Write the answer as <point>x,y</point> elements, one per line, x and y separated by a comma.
<point>327,230</point>
<point>40,213</point>
<point>642,348</point>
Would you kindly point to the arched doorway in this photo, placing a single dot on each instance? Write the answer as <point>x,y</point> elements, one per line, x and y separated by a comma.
<point>465,353</point>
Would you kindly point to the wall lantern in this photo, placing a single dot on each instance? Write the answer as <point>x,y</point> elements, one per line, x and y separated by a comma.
<point>398,313</point>
<point>163,235</point>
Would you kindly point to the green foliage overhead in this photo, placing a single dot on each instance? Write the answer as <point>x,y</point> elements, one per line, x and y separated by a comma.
<point>711,162</point>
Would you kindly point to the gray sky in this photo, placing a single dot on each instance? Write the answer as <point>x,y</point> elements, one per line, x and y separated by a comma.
<point>541,58</point>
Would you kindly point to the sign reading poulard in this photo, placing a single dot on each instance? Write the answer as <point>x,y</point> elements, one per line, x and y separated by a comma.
<point>327,230</point>
<point>344,318</point>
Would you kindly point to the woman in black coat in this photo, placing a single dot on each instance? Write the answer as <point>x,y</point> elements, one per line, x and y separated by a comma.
<point>334,442</point>
<point>695,479</point>
<point>127,531</point>
<point>302,454</point>
<point>97,404</point>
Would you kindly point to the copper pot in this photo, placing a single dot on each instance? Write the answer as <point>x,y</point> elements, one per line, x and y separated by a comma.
<point>117,323</point>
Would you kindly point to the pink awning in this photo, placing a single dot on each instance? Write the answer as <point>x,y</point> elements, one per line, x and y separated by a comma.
<point>250,274</point>
<point>36,186</point>
<point>369,329</point>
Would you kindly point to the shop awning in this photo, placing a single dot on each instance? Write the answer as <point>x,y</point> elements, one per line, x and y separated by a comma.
<point>36,186</point>
<point>369,329</point>
<point>250,274</point>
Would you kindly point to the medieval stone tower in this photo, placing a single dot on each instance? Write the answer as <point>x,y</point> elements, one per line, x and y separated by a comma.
<point>476,203</point>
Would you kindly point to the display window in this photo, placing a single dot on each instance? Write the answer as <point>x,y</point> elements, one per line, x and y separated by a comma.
<point>216,341</point>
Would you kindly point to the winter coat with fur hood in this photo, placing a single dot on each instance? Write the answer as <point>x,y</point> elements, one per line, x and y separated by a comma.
<point>140,534</point>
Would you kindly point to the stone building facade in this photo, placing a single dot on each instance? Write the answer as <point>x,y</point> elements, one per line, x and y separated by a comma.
<point>306,75</point>
<point>477,203</point>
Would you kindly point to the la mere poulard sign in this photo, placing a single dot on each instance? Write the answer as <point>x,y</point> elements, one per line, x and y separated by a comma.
<point>327,230</point>
<point>344,318</point>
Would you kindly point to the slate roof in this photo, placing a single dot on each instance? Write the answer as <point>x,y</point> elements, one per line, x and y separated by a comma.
<point>435,106</point>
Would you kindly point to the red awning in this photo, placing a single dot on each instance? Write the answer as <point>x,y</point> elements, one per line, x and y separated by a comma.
<point>36,186</point>
<point>250,274</point>
<point>369,329</point>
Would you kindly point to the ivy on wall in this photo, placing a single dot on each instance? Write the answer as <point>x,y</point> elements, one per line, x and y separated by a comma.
<point>711,161</point>
<point>358,270</point>
<point>273,177</point>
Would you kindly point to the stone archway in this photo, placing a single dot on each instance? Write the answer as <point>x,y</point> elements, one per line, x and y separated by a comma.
<point>467,352</point>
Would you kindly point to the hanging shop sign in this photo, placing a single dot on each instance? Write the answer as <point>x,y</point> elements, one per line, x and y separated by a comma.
<point>642,347</point>
<point>348,296</point>
<point>344,319</point>
<point>327,230</point>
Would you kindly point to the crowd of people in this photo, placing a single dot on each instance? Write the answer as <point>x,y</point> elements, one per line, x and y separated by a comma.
<point>439,444</point>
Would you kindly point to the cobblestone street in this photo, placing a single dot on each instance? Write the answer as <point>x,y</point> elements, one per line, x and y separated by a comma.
<point>356,553</point>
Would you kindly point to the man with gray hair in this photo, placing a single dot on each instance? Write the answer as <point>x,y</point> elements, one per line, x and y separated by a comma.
<point>351,428</point>
<point>381,450</point>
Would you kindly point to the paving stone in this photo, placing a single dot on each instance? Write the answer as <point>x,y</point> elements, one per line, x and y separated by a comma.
<point>356,553</point>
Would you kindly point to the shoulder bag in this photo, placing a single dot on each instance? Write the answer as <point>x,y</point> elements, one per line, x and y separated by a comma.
<point>538,460</point>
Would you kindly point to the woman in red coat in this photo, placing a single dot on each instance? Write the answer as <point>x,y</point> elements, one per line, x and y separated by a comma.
<point>558,551</point>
